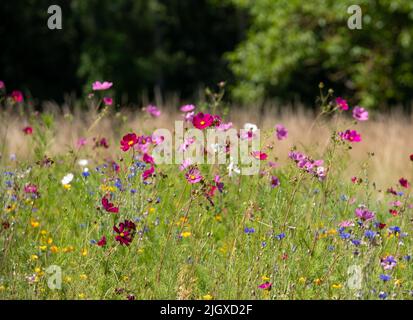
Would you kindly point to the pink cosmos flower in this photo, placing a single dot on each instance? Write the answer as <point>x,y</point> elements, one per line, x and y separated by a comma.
<point>2,85</point>
<point>189,116</point>
<point>97,85</point>
<point>259,155</point>
<point>202,121</point>
<point>148,159</point>
<point>185,164</point>
<point>187,108</point>
<point>143,144</point>
<point>224,126</point>
<point>30,188</point>
<point>153,111</point>
<point>107,101</point>
<point>28,130</point>
<point>157,140</point>
<point>193,175</point>
<point>128,141</point>
<point>350,135</point>
<point>342,104</point>
<point>346,224</point>
<point>148,173</point>
<point>17,96</point>
<point>187,143</point>
<point>265,286</point>
<point>81,142</point>
<point>360,114</point>
<point>404,183</point>
<point>364,214</point>
<point>281,132</point>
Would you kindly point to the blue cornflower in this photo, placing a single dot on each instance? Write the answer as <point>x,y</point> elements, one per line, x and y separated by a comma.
<point>370,234</point>
<point>356,242</point>
<point>395,229</point>
<point>382,295</point>
<point>280,236</point>
<point>385,277</point>
<point>249,230</point>
<point>345,235</point>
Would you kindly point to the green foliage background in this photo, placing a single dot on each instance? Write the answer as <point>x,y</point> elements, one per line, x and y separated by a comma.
<point>265,49</point>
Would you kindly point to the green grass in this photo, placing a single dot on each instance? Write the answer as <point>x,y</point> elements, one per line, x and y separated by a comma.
<point>216,257</point>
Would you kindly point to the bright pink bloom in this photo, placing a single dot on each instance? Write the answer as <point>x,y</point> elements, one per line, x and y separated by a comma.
<point>97,85</point>
<point>17,96</point>
<point>346,224</point>
<point>281,132</point>
<point>185,164</point>
<point>350,135</point>
<point>342,104</point>
<point>224,126</point>
<point>259,155</point>
<point>2,85</point>
<point>107,101</point>
<point>187,108</point>
<point>187,143</point>
<point>193,175</point>
<point>360,114</point>
<point>157,140</point>
<point>30,188</point>
<point>404,183</point>
<point>81,142</point>
<point>364,214</point>
<point>189,116</point>
<point>28,130</point>
<point>148,173</point>
<point>202,121</point>
<point>144,143</point>
<point>153,111</point>
<point>109,206</point>
<point>148,159</point>
<point>128,141</point>
<point>265,286</point>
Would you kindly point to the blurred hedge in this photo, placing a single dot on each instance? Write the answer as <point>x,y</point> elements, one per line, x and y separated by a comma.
<point>292,45</point>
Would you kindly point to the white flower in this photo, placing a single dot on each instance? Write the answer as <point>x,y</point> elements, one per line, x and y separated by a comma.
<point>250,127</point>
<point>83,162</point>
<point>216,147</point>
<point>67,178</point>
<point>233,168</point>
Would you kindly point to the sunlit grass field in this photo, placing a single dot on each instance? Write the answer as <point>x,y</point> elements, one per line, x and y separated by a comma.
<point>287,232</point>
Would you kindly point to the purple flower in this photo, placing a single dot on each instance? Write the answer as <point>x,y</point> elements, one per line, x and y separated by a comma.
<point>360,114</point>
<point>388,263</point>
<point>153,111</point>
<point>281,132</point>
<point>364,214</point>
<point>275,182</point>
<point>385,277</point>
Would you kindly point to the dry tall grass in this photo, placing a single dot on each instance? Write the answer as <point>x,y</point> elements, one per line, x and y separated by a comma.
<point>389,137</point>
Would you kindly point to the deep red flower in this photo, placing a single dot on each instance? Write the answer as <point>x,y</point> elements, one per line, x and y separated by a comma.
<point>102,242</point>
<point>393,212</point>
<point>404,183</point>
<point>109,206</point>
<point>202,121</point>
<point>126,232</point>
<point>411,157</point>
<point>28,130</point>
<point>128,141</point>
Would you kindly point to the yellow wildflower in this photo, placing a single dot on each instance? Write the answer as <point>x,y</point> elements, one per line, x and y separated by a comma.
<point>207,297</point>
<point>185,234</point>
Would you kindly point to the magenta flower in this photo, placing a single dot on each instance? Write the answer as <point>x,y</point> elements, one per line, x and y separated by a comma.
<point>98,86</point>
<point>81,142</point>
<point>342,104</point>
<point>281,132</point>
<point>404,183</point>
<point>148,173</point>
<point>102,242</point>
<point>193,175</point>
<point>153,111</point>
<point>143,143</point>
<point>125,232</point>
<point>265,286</point>
<point>187,108</point>
<point>360,114</point>
<point>107,101</point>
<point>364,214</point>
<point>17,96</point>
<point>189,116</point>
<point>128,141</point>
<point>2,85</point>
<point>30,188</point>
<point>350,135</point>
<point>185,164</point>
<point>28,130</point>
<point>259,155</point>
<point>202,121</point>
<point>148,159</point>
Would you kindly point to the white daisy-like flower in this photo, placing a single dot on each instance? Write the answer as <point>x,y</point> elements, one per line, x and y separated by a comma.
<point>83,162</point>
<point>67,179</point>
<point>233,168</point>
<point>250,127</point>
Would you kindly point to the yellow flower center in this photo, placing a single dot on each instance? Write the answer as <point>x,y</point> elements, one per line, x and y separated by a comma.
<point>192,177</point>
<point>143,141</point>
<point>130,142</point>
<point>122,234</point>
<point>202,122</point>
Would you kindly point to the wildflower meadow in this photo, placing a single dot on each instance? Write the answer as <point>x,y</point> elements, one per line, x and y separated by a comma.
<point>203,202</point>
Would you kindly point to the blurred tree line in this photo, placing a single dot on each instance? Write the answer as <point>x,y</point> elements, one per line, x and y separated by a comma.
<point>264,48</point>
